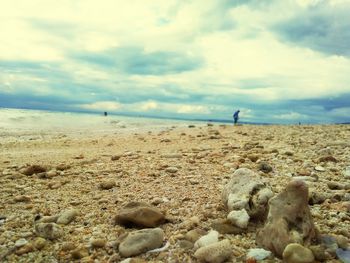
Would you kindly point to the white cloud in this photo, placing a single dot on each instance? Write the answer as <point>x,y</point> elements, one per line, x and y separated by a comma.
<point>102,106</point>
<point>243,49</point>
<point>291,116</point>
<point>341,112</point>
<point>193,109</point>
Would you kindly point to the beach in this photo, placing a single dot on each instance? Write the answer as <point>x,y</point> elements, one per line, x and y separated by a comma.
<point>179,169</point>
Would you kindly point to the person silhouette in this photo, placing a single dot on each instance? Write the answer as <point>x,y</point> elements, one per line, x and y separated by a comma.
<point>236,117</point>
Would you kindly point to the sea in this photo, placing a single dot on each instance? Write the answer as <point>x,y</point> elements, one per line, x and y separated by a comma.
<point>21,122</point>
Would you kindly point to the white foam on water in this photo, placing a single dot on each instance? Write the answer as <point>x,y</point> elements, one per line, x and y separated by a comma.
<point>33,122</point>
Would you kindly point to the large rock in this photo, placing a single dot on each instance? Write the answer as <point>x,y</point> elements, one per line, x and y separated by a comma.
<point>140,241</point>
<point>247,190</point>
<point>289,220</point>
<point>139,214</point>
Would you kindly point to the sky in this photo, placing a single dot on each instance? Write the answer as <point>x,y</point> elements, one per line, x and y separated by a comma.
<point>277,61</point>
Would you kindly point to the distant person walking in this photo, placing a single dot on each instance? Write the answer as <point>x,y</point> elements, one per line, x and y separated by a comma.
<point>236,117</point>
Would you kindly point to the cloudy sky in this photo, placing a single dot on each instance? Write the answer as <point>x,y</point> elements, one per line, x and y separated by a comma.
<point>277,61</point>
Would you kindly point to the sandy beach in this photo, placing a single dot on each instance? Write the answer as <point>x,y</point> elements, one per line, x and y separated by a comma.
<point>180,171</point>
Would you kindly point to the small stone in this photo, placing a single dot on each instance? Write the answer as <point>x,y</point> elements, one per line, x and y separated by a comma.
<point>342,242</point>
<point>80,253</point>
<point>48,219</point>
<point>319,252</point>
<point>40,243</point>
<point>210,238</point>
<point>185,244</point>
<point>24,249</point>
<point>334,186</point>
<point>264,167</point>
<point>48,230</point>
<point>33,169</point>
<point>68,246</point>
<point>108,184</point>
<point>223,226</point>
<point>116,157</point>
<point>296,253</point>
<point>172,170</point>
<point>97,242</point>
<point>320,169</point>
<point>194,234</point>
<point>51,174</point>
<point>21,242</point>
<point>67,216</point>
<point>62,167</point>
<point>172,155</point>
<point>303,172</point>
<point>306,178</point>
<point>328,158</point>
<point>215,253</point>
<point>347,172</point>
<point>140,214</point>
<point>258,254</point>
<point>253,158</point>
<point>239,218</point>
<point>22,198</point>
<point>140,241</point>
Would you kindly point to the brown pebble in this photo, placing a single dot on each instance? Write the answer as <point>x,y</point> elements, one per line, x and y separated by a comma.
<point>24,249</point>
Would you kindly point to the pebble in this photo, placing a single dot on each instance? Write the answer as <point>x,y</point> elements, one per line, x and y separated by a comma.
<point>320,169</point>
<point>140,214</point>
<point>108,184</point>
<point>68,246</point>
<point>223,226</point>
<point>51,174</point>
<point>40,243</point>
<point>217,252</point>
<point>140,241</point>
<point>265,167</point>
<point>33,169</point>
<point>239,218</point>
<point>22,198</point>
<point>24,249</point>
<point>319,252</point>
<point>258,254</point>
<point>194,234</point>
<point>347,172</point>
<point>67,216</point>
<point>172,170</point>
<point>50,231</point>
<point>334,186</point>
<point>116,157</point>
<point>80,253</point>
<point>296,253</point>
<point>97,242</point>
<point>21,242</point>
<point>305,178</point>
<point>172,155</point>
<point>210,238</point>
<point>185,244</point>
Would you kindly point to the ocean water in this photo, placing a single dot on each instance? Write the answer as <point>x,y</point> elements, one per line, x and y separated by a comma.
<point>26,122</point>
